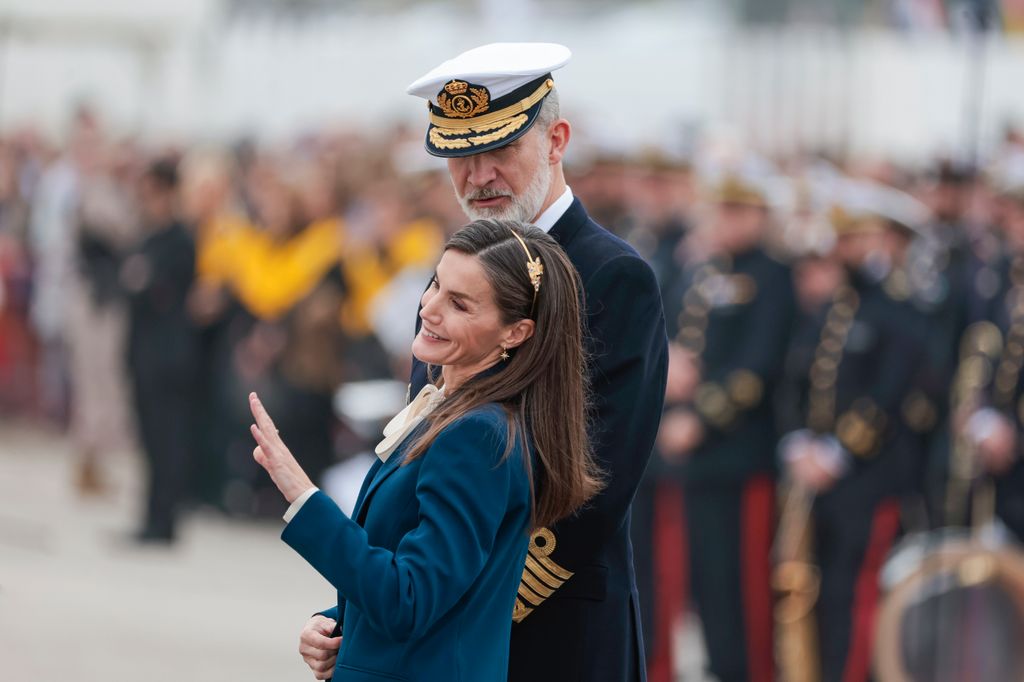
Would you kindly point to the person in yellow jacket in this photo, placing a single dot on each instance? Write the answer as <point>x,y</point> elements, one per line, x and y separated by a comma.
<point>388,240</point>
<point>268,291</point>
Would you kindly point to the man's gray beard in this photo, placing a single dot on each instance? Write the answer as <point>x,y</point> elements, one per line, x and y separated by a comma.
<point>523,208</point>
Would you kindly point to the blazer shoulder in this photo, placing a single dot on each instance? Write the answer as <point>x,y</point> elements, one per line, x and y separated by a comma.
<point>486,426</point>
<point>604,241</point>
<point>598,250</point>
<point>489,416</point>
<point>627,273</point>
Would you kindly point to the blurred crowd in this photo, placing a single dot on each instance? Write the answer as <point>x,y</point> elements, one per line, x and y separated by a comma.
<point>846,344</point>
<point>146,291</point>
<point>820,315</point>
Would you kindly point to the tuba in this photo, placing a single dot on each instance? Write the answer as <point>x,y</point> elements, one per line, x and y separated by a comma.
<point>796,582</point>
<point>954,613</point>
<point>954,605</point>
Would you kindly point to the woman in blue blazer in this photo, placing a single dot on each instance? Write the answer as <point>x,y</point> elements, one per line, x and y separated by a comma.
<point>428,566</point>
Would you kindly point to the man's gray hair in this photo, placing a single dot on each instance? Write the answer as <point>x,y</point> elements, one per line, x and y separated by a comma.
<point>550,111</point>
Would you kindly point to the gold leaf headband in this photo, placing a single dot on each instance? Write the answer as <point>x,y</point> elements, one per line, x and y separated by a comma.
<point>533,266</point>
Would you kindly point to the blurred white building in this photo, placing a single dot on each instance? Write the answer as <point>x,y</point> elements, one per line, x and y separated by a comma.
<point>651,73</point>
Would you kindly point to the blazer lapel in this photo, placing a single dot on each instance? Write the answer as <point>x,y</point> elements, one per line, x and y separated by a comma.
<point>371,475</point>
<point>565,228</point>
<point>383,471</point>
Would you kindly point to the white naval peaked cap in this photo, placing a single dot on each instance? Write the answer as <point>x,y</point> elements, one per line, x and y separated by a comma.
<point>500,67</point>
<point>488,96</point>
<point>751,180</point>
<point>858,199</point>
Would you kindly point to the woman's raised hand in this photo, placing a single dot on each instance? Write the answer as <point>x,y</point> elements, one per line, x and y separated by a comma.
<point>273,455</point>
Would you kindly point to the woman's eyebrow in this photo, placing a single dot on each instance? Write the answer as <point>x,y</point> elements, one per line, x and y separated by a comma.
<point>456,294</point>
<point>459,294</point>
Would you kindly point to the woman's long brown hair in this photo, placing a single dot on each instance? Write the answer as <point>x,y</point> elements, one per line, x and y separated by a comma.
<point>544,385</point>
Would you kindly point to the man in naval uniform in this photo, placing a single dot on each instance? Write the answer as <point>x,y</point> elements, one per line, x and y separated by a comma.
<point>989,389</point>
<point>850,371</point>
<point>952,282</point>
<point>494,115</point>
<point>730,312</point>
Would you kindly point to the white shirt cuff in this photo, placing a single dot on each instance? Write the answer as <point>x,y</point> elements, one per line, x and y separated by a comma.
<point>297,504</point>
<point>825,448</point>
<point>983,424</point>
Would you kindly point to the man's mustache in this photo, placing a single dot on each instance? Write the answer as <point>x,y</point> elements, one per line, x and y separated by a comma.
<point>486,193</point>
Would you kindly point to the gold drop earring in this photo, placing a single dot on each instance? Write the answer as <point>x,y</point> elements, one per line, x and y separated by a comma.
<point>504,352</point>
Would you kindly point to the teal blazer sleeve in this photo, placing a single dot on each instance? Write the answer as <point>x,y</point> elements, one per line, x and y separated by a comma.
<point>462,489</point>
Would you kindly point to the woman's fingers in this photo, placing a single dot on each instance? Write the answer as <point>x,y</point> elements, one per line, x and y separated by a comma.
<point>263,420</point>
<point>265,433</point>
<point>264,453</point>
<point>273,455</point>
<point>260,456</point>
<point>261,438</point>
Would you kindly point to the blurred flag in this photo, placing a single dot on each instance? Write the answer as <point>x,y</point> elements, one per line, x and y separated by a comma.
<point>1013,15</point>
<point>919,15</point>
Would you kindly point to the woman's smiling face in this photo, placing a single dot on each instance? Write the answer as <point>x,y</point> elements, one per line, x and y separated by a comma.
<point>461,326</point>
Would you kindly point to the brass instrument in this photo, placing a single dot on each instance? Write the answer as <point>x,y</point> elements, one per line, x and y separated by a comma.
<point>796,581</point>
<point>958,616</point>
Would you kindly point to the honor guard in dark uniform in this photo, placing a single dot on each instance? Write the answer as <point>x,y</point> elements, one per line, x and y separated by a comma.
<point>661,212</point>
<point>848,375</point>
<point>948,278</point>
<point>730,314</point>
<point>989,390</point>
<point>660,234</point>
<point>900,277</point>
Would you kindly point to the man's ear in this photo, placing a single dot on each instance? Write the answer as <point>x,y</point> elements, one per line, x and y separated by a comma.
<point>558,140</point>
<point>519,332</point>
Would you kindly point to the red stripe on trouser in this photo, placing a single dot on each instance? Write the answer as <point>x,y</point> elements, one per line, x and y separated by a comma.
<point>756,523</point>
<point>884,526</point>
<point>671,577</point>
<point>4,334</point>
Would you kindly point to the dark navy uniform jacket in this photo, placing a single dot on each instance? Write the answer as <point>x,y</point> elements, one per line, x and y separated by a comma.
<point>850,372</point>
<point>993,354</point>
<point>735,313</point>
<point>577,613</point>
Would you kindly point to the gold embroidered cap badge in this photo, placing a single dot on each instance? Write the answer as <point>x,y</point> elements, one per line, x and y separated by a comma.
<point>459,99</point>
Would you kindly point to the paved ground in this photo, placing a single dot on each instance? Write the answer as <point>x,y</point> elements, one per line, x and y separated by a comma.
<point>77,603</point>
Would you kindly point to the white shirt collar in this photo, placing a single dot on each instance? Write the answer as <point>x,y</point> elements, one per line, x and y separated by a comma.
<point>548,218</point>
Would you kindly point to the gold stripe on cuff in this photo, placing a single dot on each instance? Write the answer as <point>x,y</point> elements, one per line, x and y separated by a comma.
<point>529,596</point>
<point>536,585</point>
<point>552,567</point>
<point>542,573</point>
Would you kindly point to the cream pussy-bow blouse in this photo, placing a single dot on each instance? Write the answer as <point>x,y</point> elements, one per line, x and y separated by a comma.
<point>404,422</point>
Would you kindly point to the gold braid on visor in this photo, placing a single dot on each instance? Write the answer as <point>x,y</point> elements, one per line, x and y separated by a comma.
<point>493,117</point>
<point>534,267</point>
